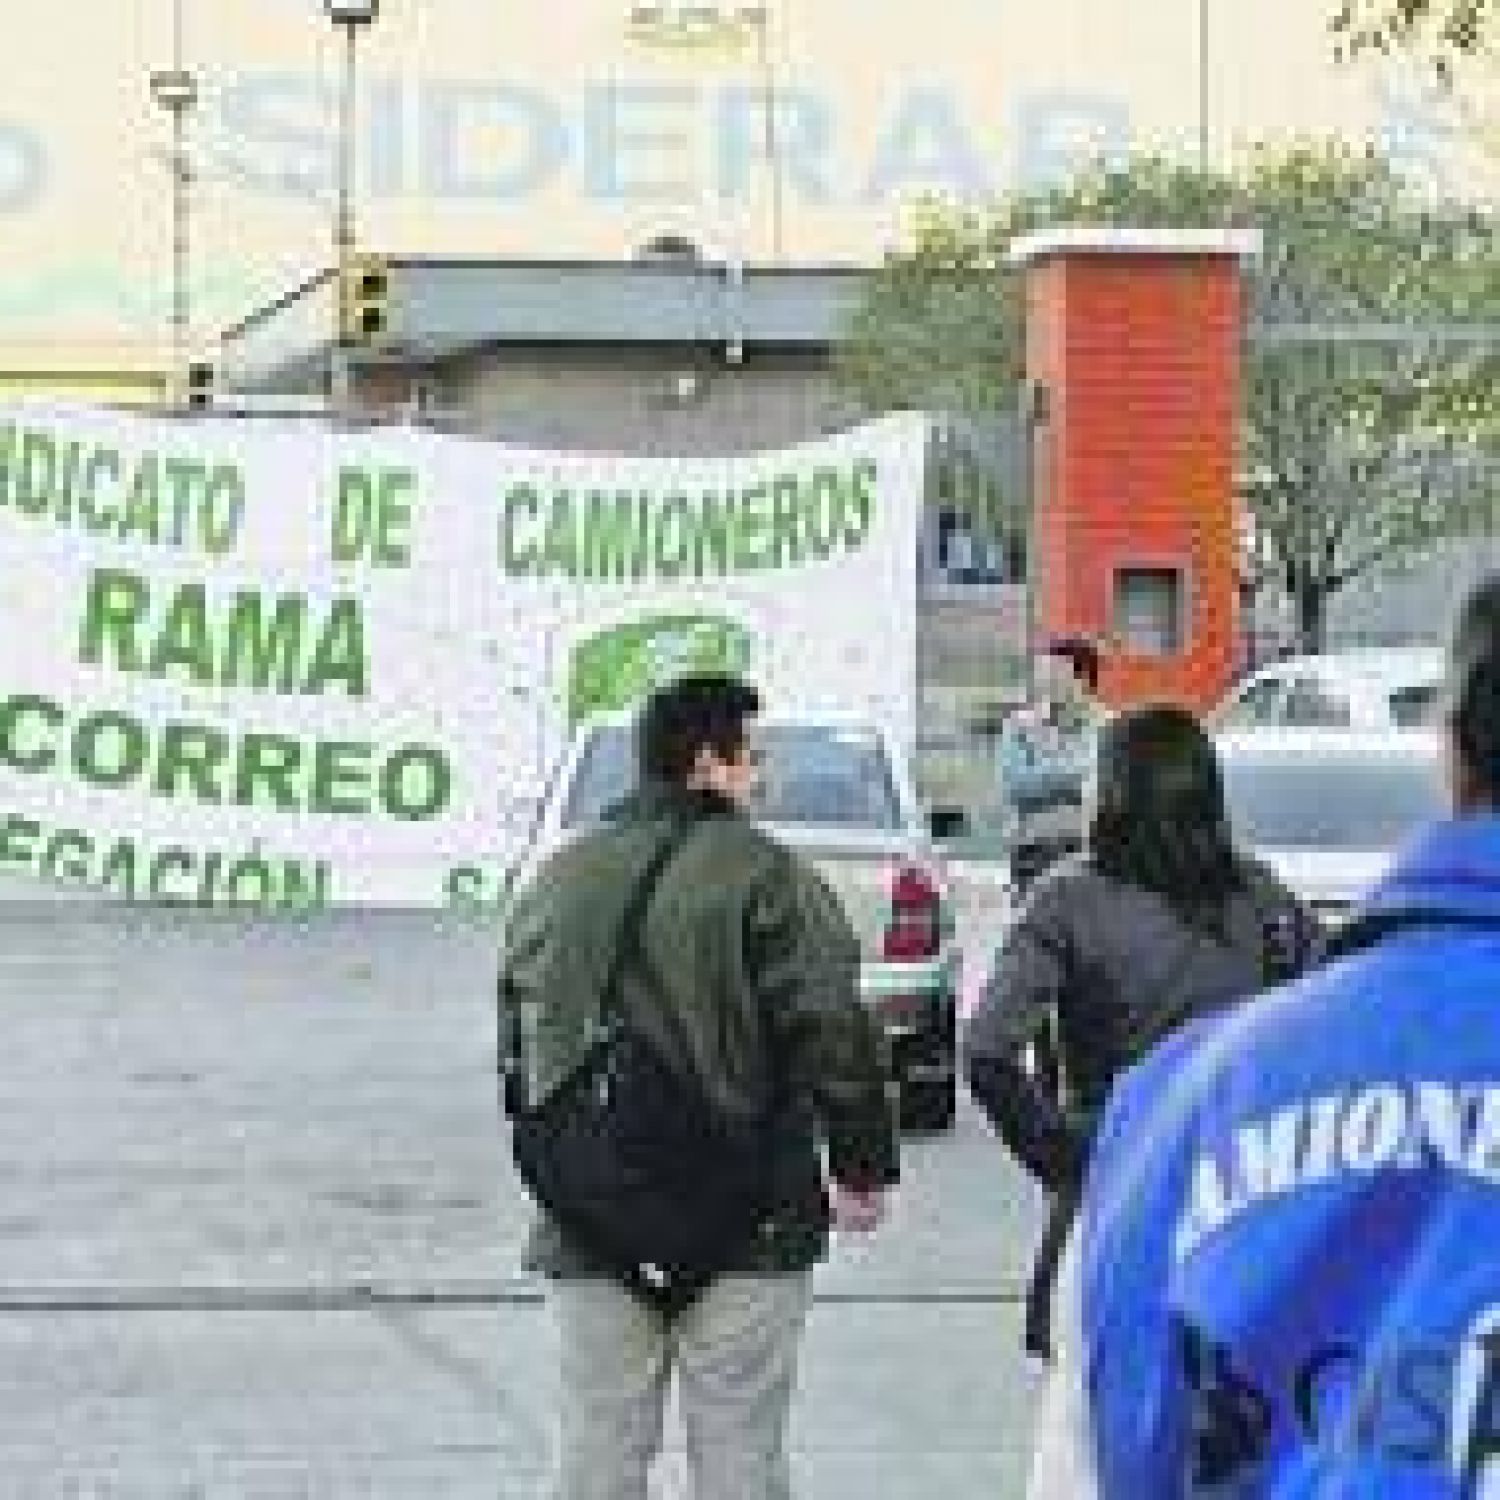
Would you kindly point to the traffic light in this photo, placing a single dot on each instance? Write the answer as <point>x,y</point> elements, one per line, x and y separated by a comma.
<point>200,385</point>
<point>364,301</point>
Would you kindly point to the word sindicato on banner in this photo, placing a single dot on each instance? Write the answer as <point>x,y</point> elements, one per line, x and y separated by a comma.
<point>132,624</point>
<point>290,668</point>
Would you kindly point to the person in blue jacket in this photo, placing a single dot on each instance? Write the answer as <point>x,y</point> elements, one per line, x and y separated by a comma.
<point>1286,1277</point>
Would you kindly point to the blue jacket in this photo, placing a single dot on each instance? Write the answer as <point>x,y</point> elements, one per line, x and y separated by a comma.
<point>1288,1272</point>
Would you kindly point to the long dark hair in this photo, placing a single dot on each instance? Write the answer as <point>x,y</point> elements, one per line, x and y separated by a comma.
<point>1160,820</point>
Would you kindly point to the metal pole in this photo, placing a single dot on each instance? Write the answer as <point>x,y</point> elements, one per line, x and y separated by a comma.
<point>343,232</point>
<point>1030,472</point>
<point>1204,141</point>
<point>180,249</point>
<point>344,226</point>
<point>773,140</point>
<point>180,209</point>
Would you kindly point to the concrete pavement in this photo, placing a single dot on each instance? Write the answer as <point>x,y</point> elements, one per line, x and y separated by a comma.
<point>258,1235</point>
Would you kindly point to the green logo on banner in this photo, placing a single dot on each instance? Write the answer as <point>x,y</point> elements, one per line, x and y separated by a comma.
<point>619,668</point>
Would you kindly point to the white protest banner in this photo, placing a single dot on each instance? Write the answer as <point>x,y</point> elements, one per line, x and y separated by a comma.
<point>277,665</point>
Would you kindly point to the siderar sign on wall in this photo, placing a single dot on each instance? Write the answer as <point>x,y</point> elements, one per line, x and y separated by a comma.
<point>482,128</point>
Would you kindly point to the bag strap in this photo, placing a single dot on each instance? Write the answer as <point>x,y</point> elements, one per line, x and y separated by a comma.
<point>633,919</point>
<point>1374,928</point>
<point>514,1093</point>
<point>632,928</point>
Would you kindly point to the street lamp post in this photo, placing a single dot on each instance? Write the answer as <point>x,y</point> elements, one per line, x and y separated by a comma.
<point>175,90</point>
<point>350,17</point>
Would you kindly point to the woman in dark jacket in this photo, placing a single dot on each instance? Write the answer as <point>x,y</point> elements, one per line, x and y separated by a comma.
<point>1159,920</point>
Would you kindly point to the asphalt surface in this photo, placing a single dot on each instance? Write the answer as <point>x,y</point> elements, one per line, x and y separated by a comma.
<point>259,1236</point>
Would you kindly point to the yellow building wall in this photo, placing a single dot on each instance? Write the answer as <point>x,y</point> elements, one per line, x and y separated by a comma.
<point>88,386</point>
<point>103,375</point>
<point>510,127</point>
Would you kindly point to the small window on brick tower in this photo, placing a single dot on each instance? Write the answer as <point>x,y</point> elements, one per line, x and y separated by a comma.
<point>1150,611</point>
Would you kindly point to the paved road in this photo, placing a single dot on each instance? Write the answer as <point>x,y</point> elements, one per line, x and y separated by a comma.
<point>258,1236</point>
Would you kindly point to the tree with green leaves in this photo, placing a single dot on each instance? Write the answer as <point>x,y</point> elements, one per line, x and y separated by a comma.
<point>1449,29</point>
<point>1361,448</point>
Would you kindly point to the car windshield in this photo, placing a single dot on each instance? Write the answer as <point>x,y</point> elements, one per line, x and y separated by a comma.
<point>814,774</point>
<point>1256,703</point>
<point>1330,802</point>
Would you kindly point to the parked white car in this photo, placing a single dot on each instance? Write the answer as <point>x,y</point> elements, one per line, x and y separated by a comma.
<point>839,792</point>
<point>1329,810</point>
<point>1375,689</point>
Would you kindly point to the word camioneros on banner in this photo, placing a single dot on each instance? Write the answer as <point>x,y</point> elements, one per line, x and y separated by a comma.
<point>284,667</point>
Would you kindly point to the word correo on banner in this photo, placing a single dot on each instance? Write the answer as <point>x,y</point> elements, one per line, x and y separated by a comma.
<point>108,748</point>
<point>286,667</point>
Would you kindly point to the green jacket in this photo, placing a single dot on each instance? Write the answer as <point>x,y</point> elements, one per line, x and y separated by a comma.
<point>753,953</point>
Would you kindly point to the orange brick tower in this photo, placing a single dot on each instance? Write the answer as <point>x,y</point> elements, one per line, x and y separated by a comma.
<point>1133,348</point>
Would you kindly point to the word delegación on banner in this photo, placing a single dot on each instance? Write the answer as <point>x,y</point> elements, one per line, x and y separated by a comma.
<point>287,666</point>
<point>172,875</point>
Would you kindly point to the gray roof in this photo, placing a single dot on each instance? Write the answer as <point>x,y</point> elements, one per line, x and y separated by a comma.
<point>442,308</point>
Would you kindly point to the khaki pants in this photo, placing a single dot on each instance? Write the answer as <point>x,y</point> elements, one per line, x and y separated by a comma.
<point>735,1358</point>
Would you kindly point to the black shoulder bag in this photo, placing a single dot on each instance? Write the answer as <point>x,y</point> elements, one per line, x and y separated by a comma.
<point>633,1158</point>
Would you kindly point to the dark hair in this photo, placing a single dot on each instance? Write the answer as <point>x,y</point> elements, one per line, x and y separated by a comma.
<point>705,711</point>
<point>1082,656</point>
<point>1160,820</point>
<point>1474,685</point>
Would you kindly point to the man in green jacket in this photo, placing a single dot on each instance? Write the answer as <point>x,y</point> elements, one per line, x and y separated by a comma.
<point>749,974</point>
